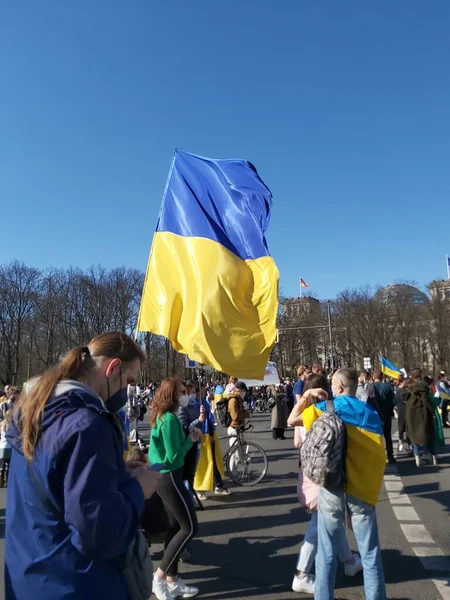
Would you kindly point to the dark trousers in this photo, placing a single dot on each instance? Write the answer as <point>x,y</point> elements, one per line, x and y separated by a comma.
<point>278,433</point>
<point>182,520</point>
<point>445,413</point>
<point>218,482</point>
<point>402,435</point>
<point>386,418</point>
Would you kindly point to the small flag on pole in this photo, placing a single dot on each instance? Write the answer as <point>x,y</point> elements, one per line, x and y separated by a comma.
<point>389,369</point>
<point>447,260</point>
<point>303,283</point>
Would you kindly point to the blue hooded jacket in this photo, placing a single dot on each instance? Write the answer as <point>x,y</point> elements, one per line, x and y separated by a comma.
<point>76,513</point>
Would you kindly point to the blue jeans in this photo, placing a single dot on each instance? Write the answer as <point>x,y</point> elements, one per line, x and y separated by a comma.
<point>424,449</point>
<point>308,550</point>
<point>331,531</point>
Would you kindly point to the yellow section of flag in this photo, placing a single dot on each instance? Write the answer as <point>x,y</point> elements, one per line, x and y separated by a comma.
<point>213,306</point>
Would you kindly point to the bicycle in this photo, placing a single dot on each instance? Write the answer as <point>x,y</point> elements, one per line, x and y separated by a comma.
<point>262,405</point>
<point>245,462</point>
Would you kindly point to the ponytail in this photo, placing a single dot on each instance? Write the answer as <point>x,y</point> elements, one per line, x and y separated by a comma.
<point>75,365</point>
<point>32,402</point>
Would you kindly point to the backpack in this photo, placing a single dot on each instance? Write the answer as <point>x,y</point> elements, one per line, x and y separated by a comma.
<point>222,411</point>
<point>324,450</point>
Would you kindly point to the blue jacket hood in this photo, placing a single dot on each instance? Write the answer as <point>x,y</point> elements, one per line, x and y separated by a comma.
<point>68,397</point>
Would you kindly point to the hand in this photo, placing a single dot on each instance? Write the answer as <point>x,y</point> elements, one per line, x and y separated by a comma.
<point>148,480</point>
<point>131,465</point>
<point>202,417</point>
<point>315,395</point>
<point>195,434</point>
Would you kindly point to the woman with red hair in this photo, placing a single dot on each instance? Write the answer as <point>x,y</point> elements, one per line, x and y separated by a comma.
<point>168,448</point>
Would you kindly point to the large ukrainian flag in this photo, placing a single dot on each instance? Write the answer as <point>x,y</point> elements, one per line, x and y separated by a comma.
<point>211,286</point>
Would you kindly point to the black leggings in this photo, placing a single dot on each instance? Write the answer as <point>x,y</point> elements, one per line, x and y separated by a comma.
<point>278,433</point>
<point>182,519</point>
<point>217,478</point>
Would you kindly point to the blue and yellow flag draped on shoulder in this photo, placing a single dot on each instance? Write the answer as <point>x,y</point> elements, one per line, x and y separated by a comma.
<point>211,286</point>
<point>366,457</point>
<point>389,369</point>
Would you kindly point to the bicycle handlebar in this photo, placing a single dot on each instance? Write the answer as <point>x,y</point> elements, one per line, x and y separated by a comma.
<point>246,427</point>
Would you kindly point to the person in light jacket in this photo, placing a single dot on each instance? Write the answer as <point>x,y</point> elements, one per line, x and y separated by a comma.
<point>278,401</point>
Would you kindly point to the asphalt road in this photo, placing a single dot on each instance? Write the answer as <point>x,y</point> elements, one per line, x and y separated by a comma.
<point>248,543</point>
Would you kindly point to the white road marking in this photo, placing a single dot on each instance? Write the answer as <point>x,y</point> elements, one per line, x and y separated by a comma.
<point>443,586</point>
<point>405,513</point>
<point>399,498</point>
<point>432,558</point>
<point>416,533</point>
<point>393,486</point>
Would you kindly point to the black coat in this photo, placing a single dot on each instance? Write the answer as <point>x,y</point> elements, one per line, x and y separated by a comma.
<point>419,414</point>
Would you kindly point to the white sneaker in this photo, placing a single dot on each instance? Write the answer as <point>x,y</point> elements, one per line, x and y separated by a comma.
<point>435,460</point>
<point>179,589</point>
<point>400,446</point>
<point>304,584</point>
<point>160,589</point>
<point>356,567</point>
<point>418,461</point>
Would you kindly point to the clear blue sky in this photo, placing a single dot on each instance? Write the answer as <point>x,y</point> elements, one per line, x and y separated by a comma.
<point>344,108</point>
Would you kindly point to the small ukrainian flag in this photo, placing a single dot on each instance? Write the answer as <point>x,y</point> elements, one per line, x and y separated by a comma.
<point>211,286</point>
<point>389,369</point>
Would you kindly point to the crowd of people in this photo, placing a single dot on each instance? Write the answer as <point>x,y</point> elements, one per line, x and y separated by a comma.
<point>80,497</point>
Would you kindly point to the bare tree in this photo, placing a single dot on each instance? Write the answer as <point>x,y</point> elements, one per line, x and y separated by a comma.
<point>19,288</point>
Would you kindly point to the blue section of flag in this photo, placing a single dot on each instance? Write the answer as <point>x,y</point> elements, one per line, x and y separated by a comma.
<point>222,200</point>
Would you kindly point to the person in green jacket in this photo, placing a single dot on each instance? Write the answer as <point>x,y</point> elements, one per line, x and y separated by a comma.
<point>168,448</point>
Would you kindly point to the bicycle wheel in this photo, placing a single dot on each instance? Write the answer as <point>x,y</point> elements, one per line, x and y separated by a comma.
<point>246,463</point>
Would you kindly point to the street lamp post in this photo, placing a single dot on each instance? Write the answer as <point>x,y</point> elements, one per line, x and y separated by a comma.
<point>330,333</point>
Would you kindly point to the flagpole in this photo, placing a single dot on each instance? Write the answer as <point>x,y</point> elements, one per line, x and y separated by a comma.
<point>300,281</point>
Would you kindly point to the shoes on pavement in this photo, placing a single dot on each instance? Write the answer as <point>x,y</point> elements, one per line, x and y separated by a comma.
<point>304,584</point>
<point>356,567</point>
<point>400,446</point>
<point>222,491</point>
<point>161,589</point>
<point>418,461</point>
<point>201,495</point>
<point>179,589</point>
<point>392,461</point>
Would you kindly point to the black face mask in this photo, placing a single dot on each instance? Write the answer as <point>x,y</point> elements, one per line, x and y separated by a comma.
<point>118,400</point>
